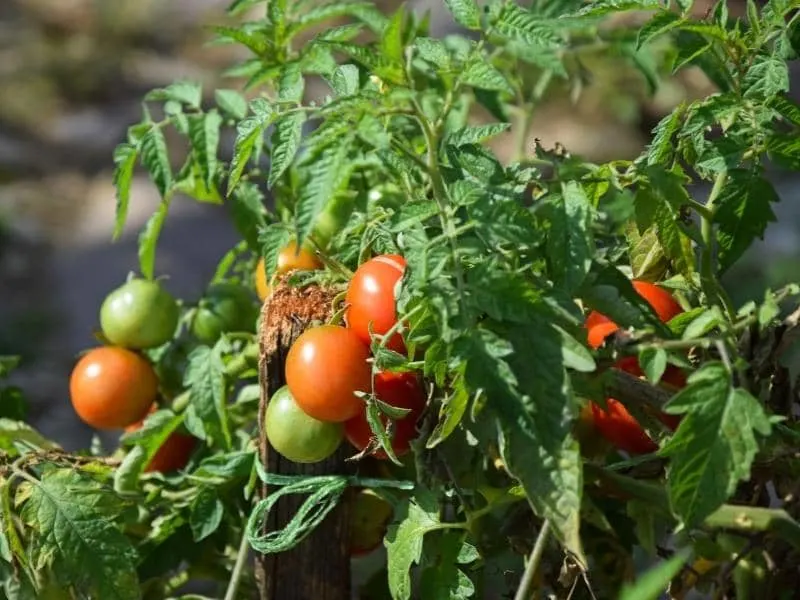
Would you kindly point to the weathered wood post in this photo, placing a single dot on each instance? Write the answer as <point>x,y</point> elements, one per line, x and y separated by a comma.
<point>319,567</point>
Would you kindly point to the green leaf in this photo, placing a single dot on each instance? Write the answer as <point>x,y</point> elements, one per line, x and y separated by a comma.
<point>655,581</point>
<point>654,208</point>
<point>344,80</point>
<point>743,213</point>
<point>248,212</point>
<point>475,134</point>
<point>71,515</point>
<point>450,414</point>
<point>482,75</point>
<point>273,238</point>
<point>205,376</point>
<point>285,143</point>
<point>155,158</point>
<point>465,12</point>
<point>225,468</point>
<point>189,93</point>
<point>767,77</point>
<point>327,176</point>
<point>391,43</point>
<point>148,239</point>
<point>715,444</point>
<point>647,257</point>
<point>16,436</point>
<point>653,362</point>
<point>570,246</point>
<point>125,156</point>
<point>523,375</point>
<point>662,147</point>
<point>404,543</point>
<point>204,135</point>
<point>248,133</point>
<point>291,84</point>
<point>443,580</point>
<point>232,103</point>
<point>205,514</point>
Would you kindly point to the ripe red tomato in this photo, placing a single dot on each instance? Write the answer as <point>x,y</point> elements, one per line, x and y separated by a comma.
<point>325,367</point>
<point>619,427</point>
<point>370,299</point>
<point>297,436</point>
<point>289,259</point>
<point>600,327</point>
<point>139,314</point>
<point>401,390</point>
<point>112,387</point>
<point>173,454</point>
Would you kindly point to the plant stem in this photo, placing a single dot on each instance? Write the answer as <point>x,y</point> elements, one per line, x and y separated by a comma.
<point>525,589</point>
<point>708,278</point>
<point>238,567</point>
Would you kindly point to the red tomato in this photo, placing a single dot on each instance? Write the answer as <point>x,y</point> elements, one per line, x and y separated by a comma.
<point>325,367</point>
<point>112,387</point>
<point>370,299</point>
<point>619,427</point>
<point>401,390</point>
<point>600,327</point>
<point>173,454</point>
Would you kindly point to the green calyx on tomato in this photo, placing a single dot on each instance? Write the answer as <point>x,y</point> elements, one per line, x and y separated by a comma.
<point>226,308</point>
<point>297,436</point>
<point>140,314</point>
<point>400,390</point>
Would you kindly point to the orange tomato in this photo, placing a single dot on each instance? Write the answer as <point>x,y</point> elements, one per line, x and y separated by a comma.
<point>600,327</point>
<point>111,387</point>
<point>289,259</point>
<point>325,367</point>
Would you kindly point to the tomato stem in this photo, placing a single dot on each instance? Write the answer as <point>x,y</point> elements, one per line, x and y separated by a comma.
<point>238,568</point>
<point>527,585</point>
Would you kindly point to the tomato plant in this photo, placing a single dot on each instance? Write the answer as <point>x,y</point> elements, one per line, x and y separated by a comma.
<point>139,314</point>
<point>498,278</point>
<point>297,436</point>
<point>325,369</point>
<point>399,390</point>
<point>112,388</point>
<point>371,299</point>
<point>172,455</point>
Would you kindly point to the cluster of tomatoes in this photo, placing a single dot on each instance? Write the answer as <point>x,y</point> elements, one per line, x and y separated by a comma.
<point>115,386</point>
<point>328,370</point>
<point>615,423</point>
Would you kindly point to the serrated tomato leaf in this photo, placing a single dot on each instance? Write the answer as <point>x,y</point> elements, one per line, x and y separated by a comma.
<point>715,444</point>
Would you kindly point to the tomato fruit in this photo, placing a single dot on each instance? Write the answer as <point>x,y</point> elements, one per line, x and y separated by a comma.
<point>111,387</point>
<point>289,259</point>
<point>370,516</point>
<point>619,427</point>
<point>332,219</point>
<point>325,367</point>
<point>600,327</point>
<point>173,454</point>
<point>139,314</point>
<point>401,390</point>
<point>226,307</point>
<point>295,435</point>
<point>370,299</point>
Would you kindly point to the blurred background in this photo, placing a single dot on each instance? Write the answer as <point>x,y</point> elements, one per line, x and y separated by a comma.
<point>72,76</point>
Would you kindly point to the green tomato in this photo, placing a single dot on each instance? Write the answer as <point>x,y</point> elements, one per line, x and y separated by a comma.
<point>226,308</point>
<point>295,435</point>
<point>332,219</point>
<point>139,314</point>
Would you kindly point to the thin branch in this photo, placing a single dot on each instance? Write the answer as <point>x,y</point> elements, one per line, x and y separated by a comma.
<point>526,586</point>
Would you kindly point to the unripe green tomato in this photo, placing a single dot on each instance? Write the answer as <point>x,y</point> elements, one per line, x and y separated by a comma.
<point>332,219</point>
<point>139,314</point>
<point>295,435</point>
<point>226,308</point>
